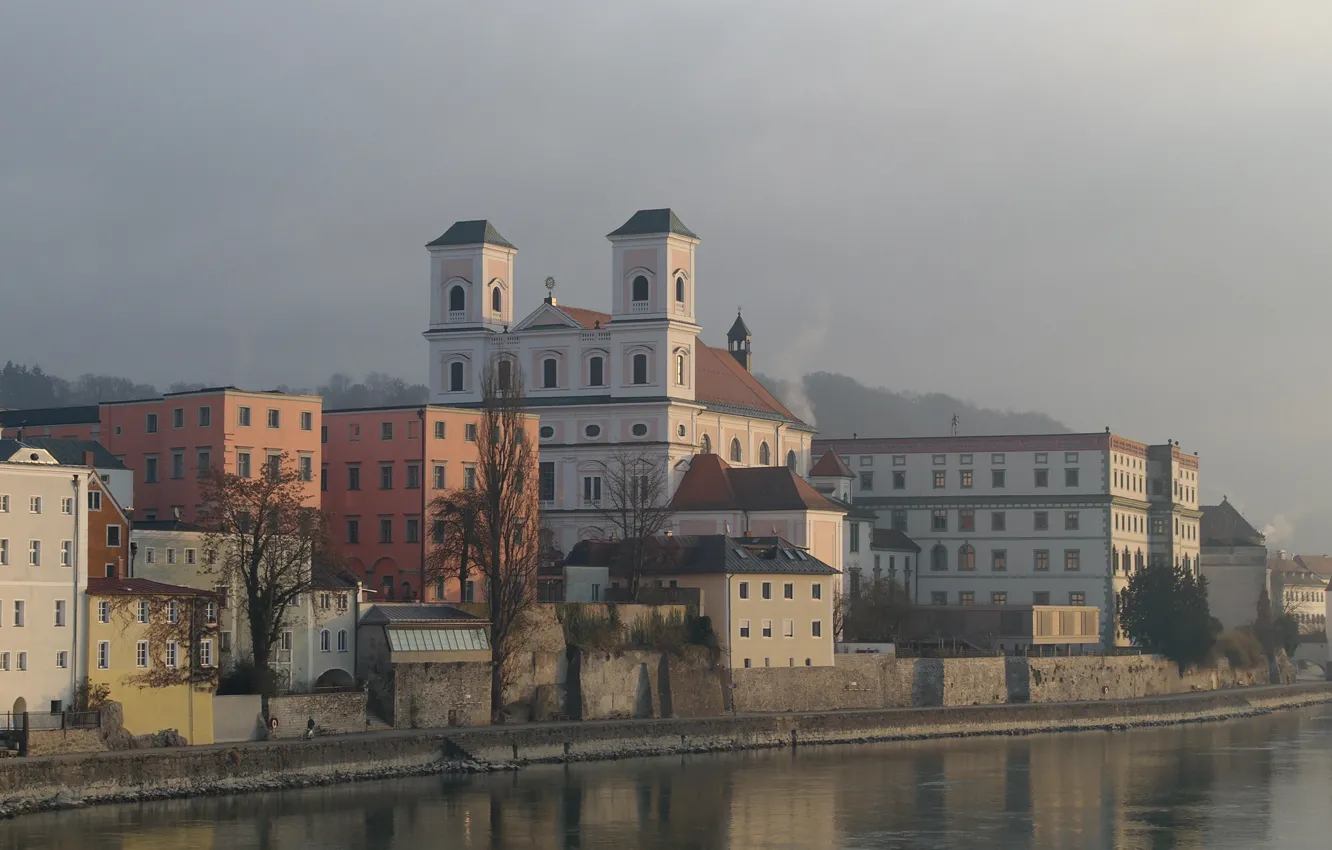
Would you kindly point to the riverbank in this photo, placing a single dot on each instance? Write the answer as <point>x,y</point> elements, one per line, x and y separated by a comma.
<point>57,782</point>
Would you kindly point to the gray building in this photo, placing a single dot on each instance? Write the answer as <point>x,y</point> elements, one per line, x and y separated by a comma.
<point>1233,559</point>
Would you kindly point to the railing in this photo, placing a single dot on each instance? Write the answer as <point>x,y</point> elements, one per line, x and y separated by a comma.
<point>40,721</point>
<point>640,307</point>
<point>457,315</point>
<point>680,307</point>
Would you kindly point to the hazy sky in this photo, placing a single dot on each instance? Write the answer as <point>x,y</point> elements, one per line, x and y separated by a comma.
<point>1115,213</point>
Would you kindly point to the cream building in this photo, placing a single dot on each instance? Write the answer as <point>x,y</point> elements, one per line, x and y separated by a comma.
<point>1044,519</point>
<point>636,379</point>
<point>43,578</point>
<point>1233,558</point>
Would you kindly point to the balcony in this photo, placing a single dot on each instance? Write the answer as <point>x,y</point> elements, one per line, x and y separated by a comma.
<point>640,307</point>
<point>990,625</point>
<point>456,316</point>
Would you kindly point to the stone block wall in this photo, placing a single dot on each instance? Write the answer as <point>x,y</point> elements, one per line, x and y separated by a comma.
<point>431,696</point>
<point>55,742</point>
<point>610,685</point>
<point>693,686</point>
<point>974,681</point>
<point>333,713</point>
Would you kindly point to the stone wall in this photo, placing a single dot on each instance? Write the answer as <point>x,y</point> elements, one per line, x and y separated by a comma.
<point>872,681</point>
<point>55,742</point>
<point>694,686</point>
<point>429,696</point>
<point>610,685</point>
<point>972,681</point>
<point>333,713</point>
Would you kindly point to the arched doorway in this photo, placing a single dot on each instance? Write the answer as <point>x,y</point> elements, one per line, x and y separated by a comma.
<point>20,706</point>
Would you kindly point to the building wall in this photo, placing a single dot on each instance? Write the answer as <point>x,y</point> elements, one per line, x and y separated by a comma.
<point>1236,577</point>
<point>107,524</point>
<point>802,649</point>
<point>40,587</point>
<point>333,713</point>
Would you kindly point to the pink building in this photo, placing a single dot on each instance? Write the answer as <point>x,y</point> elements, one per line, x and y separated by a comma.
<point>382,467</point>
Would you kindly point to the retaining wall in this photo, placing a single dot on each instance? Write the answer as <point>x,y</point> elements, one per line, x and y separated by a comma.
<point>333,713</point>
<point>435,695</point>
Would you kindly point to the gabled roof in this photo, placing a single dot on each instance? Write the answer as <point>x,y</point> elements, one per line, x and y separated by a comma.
<point>35,417</point>
<point>700,554</point>
<point>475,232</point>
<point>711,484</point>
<point>890,539</point>
<point>1222,525</point>
<point>71,452</point>
<point>652,222</point>
<point>412,613</point>
<point>13,451</point>
<point>140,587</point>
<point>830,465</point>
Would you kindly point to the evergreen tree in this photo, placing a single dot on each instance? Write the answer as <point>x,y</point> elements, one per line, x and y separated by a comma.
<point>1164,611</point>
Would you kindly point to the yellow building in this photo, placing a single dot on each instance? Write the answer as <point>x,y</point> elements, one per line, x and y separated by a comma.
<point>155,647</point>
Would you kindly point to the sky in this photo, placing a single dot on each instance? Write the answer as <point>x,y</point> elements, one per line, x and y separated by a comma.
<point>1114,213</point>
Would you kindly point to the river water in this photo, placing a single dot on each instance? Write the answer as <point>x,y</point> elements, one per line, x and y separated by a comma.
<point>1252,783</point>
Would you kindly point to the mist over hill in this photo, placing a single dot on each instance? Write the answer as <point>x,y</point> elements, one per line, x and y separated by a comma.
<point>841,406</point>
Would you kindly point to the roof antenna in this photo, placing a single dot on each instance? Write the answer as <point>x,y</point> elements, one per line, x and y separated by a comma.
<point>957,423</point>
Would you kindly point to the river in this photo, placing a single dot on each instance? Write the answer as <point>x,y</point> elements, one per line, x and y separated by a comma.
<point>1263,782</point>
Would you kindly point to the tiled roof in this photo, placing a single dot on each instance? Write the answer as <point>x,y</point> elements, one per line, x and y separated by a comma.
<point>406,613</point>
<point>165,525</point>
<point>1222,525</point>
<point>739,330</point>
<point>831,465</point>
<point>1319,565</point>
<point>691,554</point>
<point>711,484</point>
<point>140,587</point>
<point>651,222</point>
<point>42,416</point>
<point>892,540</point>
<point>70,452</point>
<point>586,318</point>
<point>474,232</point>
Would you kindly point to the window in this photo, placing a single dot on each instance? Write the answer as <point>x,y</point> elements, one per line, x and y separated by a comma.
<point>385,530</point>
<point>203,460</point>
<point>205,419</point>
<point>816,591</point>
<point>305,465</point>
<point>172,654</point>
<point>999,560</point>
<point>504,373</point>
<point>439,476</point>
<point>325,641</point>
<point>1077,597</point>
<point>1158,525</point>
<point>103,611</point>
<point>1070,478</point>
<point>34,553</point>
<point>939,520</point>
<point>496,300</point>
<point>1072,560</point>
<point>940,479</point>
<point>342,640</point>
<point>456,374</point>
<point>1040,597</point>
<point>353,477</point>
<point>150,470</point>
<point>141,654</point>
<point>1042,562</point>
<point>596,372</point>
<point>66,553</point>
<point>855,537</point>
<point>680,371</point>
<point>744,590</point>
<point>640,288</point>
<point>386,476</point>
<point>440,430</point>
<point>766,626</point>
<point>788,628</point>
<point>273,466</point>
<point>4,552</point>
<point>353,530</point>
<point>1041,520</point>
<point>1070,457</point>
<point>998,521</point>
<point>899,521</point>
<point>998,597</point>
<point>938,558</point>
<point>469,432</point>
<point>549,373</point>
<point>62,662</point>
<point>966,520</point>
<point>67,506</point>
<point>173,611</point>
<point>274,418</point>
<point>998,477</point>
<point>94,501</point>
<point>210,612</point>
<point>766,590</point>
<point>243,416</point>
<point>178,417</point>
<point>815,630</point>
<point>591,489</point>
<point>640,369</point>
<point>103,655</point>
<point>788,590</point>
<point>866,481</point>
<point>20,610</point>
<point>546,481</point>
<point>60,612</point>
<point>413,531</point>
<point>744,628</point>
<point>469,479</point>
<point>966,558</point>
<point>965,478</point>
<point>141,611</point>
<point>790,458</point>
<point>243,464</point>
<point>224,641</point>
<point>35,505</point>
<point>680,289</point>
<point>938,597</point>
<point>966,597</point>
<point>1071,521</point>
<point>150,423</point>
<point>206,653</point>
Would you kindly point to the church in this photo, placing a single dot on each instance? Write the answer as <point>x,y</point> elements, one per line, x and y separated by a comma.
<point>634,379</point>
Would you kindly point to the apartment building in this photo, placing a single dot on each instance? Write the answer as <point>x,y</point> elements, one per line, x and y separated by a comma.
<point>170,442</point>
<point>1029,520</point>
<point>382,469</point>
<point>44,534</point>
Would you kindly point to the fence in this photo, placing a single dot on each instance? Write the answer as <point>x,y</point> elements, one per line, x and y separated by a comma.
<point>15,726</point>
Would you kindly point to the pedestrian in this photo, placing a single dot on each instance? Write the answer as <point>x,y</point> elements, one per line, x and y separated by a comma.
<point>309,729</point>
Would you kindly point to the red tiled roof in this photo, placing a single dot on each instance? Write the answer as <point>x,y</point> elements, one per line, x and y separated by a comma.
<point>1319,565</point>
<point>140,587</point>
<point>713,485</point>
<point>586,318</point>
<point>830,465</point>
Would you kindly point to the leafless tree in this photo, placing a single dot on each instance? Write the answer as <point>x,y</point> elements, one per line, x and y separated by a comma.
<point>261,544</point>
<point>634,507</point>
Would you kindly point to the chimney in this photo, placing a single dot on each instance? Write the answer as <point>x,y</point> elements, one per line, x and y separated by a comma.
<point>88,459</point>
<point>1281,554</point>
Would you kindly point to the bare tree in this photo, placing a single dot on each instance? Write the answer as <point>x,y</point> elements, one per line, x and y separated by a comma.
<point>261,544</point>
<point>492,527</point>
<point>634,507</point>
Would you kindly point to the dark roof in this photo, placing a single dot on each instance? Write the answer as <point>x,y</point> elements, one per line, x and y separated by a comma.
<point>711,484</point>
<point>739,330</point>
<point>1319,565</point>
<point>475,232</point>
<point>1222,525</point>
<point>165,525</point>
<point>691,554</point>
<point>651,222</point>
<point>9,448</point>
<point>42,416</point>
<point>330,578</point>
<point>140,587</point>
<point>70,452</point>
<point>831,465</point>
<point>409,613</point>
<point>892,540</point>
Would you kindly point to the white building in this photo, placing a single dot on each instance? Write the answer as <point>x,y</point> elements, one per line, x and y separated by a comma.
<point>116,476</point>
<point>318,646</point>
<point>43,578</point>
<point>1058,519</point>
<point>635,379</point>
<point>1233,558</point>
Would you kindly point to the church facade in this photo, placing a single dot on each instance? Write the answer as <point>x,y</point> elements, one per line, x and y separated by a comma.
<point>633,381</point>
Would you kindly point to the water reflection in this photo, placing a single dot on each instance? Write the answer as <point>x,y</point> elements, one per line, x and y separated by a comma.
<point>1262,782</point>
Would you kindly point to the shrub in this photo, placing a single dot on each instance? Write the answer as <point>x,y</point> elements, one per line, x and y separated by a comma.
<point>1241,648</point>
<point>246,678</point>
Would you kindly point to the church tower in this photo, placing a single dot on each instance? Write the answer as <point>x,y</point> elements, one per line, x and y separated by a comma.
<point>737,342</point>
<point>471,277</point>
<point>653,267</point>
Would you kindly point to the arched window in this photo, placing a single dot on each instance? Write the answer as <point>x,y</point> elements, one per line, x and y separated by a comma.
<point>640,288</point>
<point>456,376</point>
<point>342,640</point>
<point>496,300</point>
<point>457,299</point>
<point>705,445</point>
<point>1126,560</point>
<point>735,450</point>
<point>938,557</point>
<point>596,372</point>
<point>503,372</point>
<point>765,454</point>
<point>549,372</point>
<point>791,460</point>
<point>680,370</point>
<point>325,642</point>
<point>966,557</point>
<point>679,289</point>
<point>640,369</point>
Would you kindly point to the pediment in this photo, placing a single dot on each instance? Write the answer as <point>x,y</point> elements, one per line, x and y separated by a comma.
<point>546,316</point>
